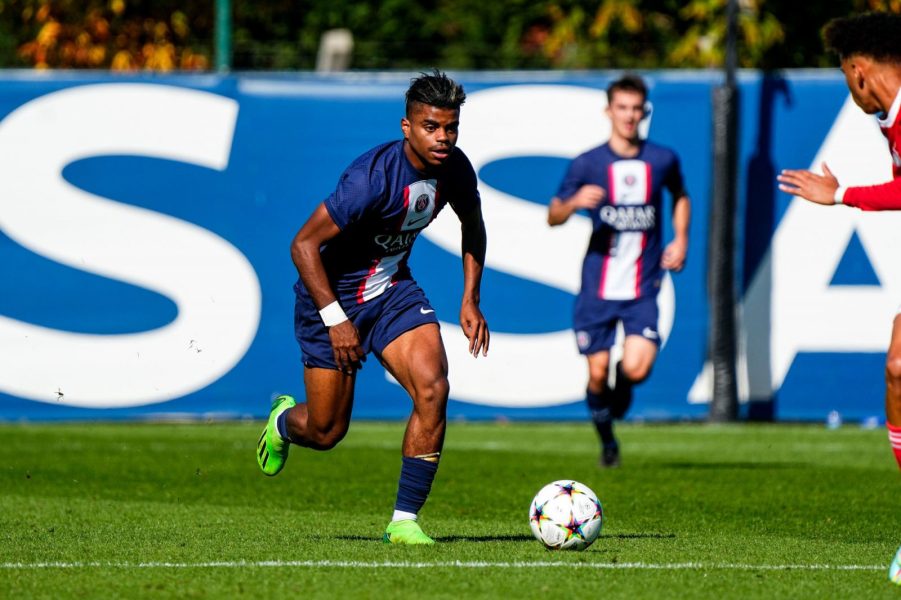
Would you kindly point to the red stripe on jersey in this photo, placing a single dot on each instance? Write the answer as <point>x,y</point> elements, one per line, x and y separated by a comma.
<point>362,287</point>
<point>403,213</point>
<point>639,264</point>
<point>649,188</point>
<point>612,196</point>
<point>644,236</point>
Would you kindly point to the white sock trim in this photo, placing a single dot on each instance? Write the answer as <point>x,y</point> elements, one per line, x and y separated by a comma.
<point>400,515</point>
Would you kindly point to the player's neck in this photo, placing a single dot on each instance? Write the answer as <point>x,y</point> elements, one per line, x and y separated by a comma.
<point>415,160</point>
<point>886,86</point>
<point>625,147</point>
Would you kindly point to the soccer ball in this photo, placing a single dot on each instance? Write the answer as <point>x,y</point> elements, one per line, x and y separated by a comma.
<point>894,570</point>
<point>567,515</point>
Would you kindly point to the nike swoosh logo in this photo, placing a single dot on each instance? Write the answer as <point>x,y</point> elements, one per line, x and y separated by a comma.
<point>415,221</point>
<point>649,333</point>
<point>426,311</point>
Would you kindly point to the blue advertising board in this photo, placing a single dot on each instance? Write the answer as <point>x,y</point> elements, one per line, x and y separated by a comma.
<point>145,223</point>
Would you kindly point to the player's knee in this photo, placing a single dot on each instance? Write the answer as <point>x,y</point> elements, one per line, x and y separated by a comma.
<point>893,369</point>
<point>636,371</point>
<point>437,390</point>
<point>597,377</point>
<point>431,394</point>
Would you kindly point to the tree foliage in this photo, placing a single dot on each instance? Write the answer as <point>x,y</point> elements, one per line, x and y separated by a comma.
<point>400,34</point>
<point>121,35</point>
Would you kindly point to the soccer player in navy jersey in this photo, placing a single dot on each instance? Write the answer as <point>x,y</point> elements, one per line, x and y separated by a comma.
<point>869,48</point>
<point>356,295</point>
<point>620,184</point>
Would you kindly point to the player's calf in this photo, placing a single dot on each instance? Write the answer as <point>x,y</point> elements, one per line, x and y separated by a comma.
<point>323,438</point>
<point>893,401</point>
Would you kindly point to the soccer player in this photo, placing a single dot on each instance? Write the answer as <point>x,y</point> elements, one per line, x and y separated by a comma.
<point>620,184</point>
<point>869,48</point>
<point>356,295</point>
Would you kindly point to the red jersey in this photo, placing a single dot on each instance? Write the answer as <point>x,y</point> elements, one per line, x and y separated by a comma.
<point>885,196</point>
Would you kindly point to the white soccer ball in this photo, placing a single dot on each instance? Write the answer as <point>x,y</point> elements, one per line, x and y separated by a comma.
<point>567,515</point>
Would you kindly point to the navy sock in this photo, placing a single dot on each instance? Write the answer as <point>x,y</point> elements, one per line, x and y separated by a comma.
<point>416,476</point>
<point>601,416</point>
<point>281,425</point>
<point>621,398</point>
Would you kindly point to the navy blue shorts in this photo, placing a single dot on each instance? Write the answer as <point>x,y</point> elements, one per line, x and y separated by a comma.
<point>379,321</point>
<point>595,321</point>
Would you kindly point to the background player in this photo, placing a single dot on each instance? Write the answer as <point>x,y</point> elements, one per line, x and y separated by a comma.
<point>355,294</point>
<point>620,184</point>
<point>869,47</point>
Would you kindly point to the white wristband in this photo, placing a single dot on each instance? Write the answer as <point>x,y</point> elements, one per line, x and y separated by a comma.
<point>332,314</point>
<point>839,196</point>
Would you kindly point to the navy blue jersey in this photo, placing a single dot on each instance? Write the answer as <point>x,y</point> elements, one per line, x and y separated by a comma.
<point>381,204</point>
<point>623,258</point>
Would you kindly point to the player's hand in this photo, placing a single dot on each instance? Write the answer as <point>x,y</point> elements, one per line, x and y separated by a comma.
<point>674,255</point>
<point>346,346</point>
<point>475,328</point>
<point>810,186</point>
<point>588,196</point>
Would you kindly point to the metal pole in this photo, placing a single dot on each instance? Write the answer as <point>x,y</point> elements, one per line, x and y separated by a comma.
<point>223,50</point>
<point>731,62</point>
<point>723,344</point>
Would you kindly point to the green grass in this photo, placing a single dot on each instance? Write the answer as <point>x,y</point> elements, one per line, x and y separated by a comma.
<point>736,501</point>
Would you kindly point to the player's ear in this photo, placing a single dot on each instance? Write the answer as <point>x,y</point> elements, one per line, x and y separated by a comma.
<point>859,73</point>
<point>405,127</point>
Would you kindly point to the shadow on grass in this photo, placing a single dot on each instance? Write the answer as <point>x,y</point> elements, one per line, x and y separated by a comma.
<point>476,539</point>
<point>640,536</point>
<point>451,538</point>
<point>749,466</point>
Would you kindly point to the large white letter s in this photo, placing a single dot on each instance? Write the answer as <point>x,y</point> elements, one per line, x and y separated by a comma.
<point>213,285</point>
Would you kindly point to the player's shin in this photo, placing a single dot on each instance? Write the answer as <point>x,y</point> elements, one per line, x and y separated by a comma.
<point>601,415</point>
<point>621,395</point>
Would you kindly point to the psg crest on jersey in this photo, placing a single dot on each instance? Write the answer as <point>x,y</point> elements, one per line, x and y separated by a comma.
<point>422,203</point>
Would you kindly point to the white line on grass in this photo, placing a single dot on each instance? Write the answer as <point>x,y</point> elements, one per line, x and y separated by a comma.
<point>340,564</point>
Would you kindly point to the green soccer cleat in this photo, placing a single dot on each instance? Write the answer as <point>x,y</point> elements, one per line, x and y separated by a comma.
<point>272,450</point>
<point>406,532</point>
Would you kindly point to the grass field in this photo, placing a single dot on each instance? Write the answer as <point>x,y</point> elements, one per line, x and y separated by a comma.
<point>696,511</point>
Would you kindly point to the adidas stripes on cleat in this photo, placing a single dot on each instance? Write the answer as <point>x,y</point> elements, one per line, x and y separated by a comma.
<point>272,450</point>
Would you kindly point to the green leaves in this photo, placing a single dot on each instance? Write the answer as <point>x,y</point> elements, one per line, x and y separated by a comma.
<point>415,34</point>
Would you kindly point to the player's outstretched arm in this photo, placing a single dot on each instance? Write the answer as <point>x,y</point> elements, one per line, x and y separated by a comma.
<point>305,248</point>
<point>588,196</point>
<point>819,189</point>
<point>474,242</point>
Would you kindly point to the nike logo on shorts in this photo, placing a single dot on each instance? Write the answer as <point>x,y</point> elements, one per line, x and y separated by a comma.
<point>649,333</point>
<point>426,311</point>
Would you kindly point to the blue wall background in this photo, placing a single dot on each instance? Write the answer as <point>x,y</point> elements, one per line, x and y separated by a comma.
<point>294,134</point>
